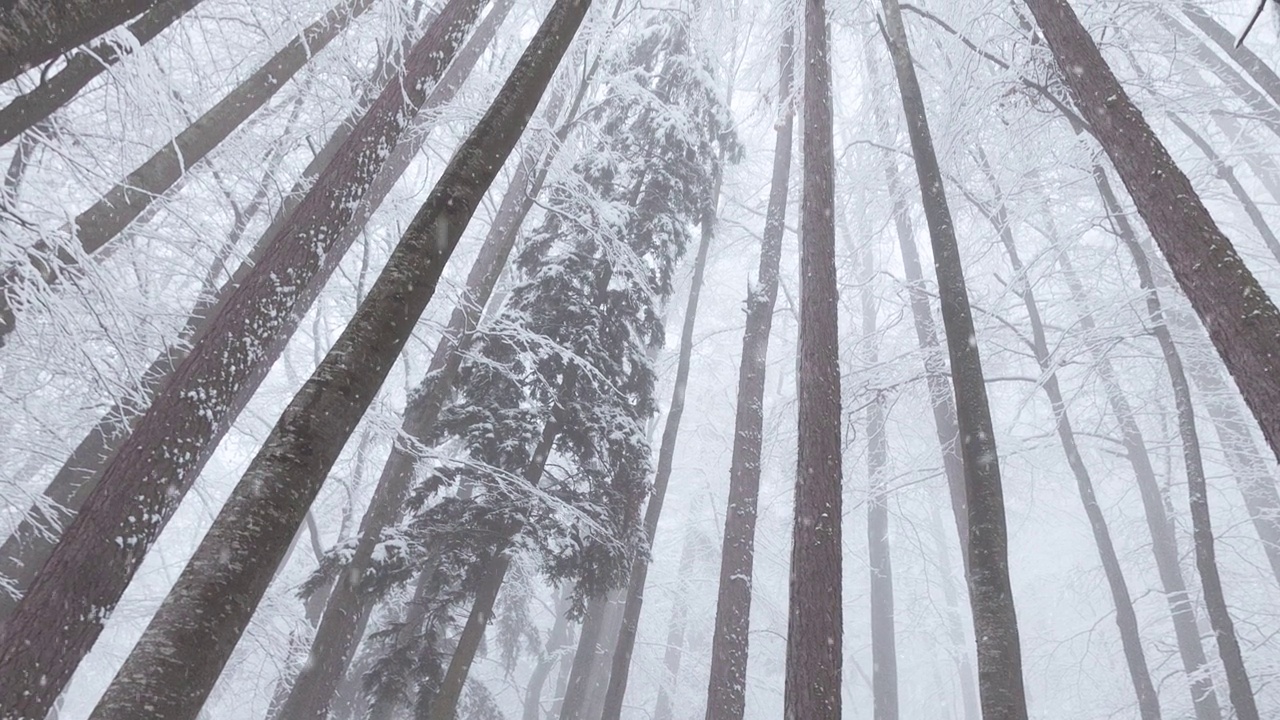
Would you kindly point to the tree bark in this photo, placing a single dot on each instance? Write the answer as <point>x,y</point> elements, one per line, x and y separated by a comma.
<point>33,32</point>
<point>620,669</point>
<point>143,482</point>
<point>1242,321</point>
<point>1126,618</point>
<point>990,593</point>
<point>884,653</point>
<point>124,203</point>
<point>814,632</point>
<point>1238,686</point>
<point>730,641</point>
<point>31,108</point>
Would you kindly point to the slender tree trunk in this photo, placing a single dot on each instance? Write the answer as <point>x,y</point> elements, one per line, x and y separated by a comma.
<point>620,670</point>
<point>29,109</point>
<point>729,644</point>
<point>1242,321</point>
<point>576,694</point>
<point>814,632</point>
<point>33,32</point>
<point>1164,544</point>
<point>1126,619</point>
<point>954,619</point>
<point>676,628</point>
<point>1238,685</point>
<point>132,503</point>
<point>557,640</point>
<point>994,618</point>
<point>122,204</point>
<point>1228,176</point>
<point>884,654</point>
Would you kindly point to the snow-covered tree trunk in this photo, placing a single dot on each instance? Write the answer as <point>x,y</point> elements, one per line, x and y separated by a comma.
<point>128,199</point>
<point>990,593</point>
<point>35,106</point>
<point>33,32</point>
<point>1239,688</point>
<point>142,484</point>
<point>191,637</point>
<point>1241,319</point>
<point>814,630</point>
<point>729,644</point>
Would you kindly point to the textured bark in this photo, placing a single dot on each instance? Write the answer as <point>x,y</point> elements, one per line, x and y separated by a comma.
<point>884,653</point>
<point>1238,686</point>
<point>1243,323</point>
<point>1126,619</point>
<point>730,641</point>
<point>814,630</point>
<point>990,594</point>
<point>122,204</point>
<point>186,645</point>
<point>620,668</point>
<point>31,108</point>
<point>33,32</point>
<point>1164,544</point>
<point>1228,176</point>
<point>676,628</point>
<point>143,482</point>
<point>347,612</point>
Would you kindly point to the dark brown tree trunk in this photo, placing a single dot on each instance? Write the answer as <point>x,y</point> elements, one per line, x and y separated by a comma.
<point>1126,619</point>
<point>1224,171</point>
<point>672,656</point>
<point>61,615</point>
<point>31,108</point>
<point>1164,544</point>
<point>1238,685</point>
<point>33,32</point>
<point>884,653</point>
<point>990,594</point>
<point>122,204</point>
<point>814,631</point>
<point>1241,320</point>
<point>620,668</point>
<point>730,640</point>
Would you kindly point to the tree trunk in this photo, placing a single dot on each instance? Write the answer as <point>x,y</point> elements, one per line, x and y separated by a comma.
<point>884,654</point>
<point>1164,544</point>
<point>122,204</point>
<point>557,640</point>
<point>674,652</point>
<point>280,484</point>
<point>990,594</point>
<point>730,641</point>
<point>620,669</point>
<point>575,695</point>
<point>1242,321</point>
<point>1224,171</point>
<point>960,648</point>
<point>33,32</point>
<point>31,108</point>
<point>1238,686</point>
<point>814,632</point>
<point>598,680</point>
<point>1126,619</point>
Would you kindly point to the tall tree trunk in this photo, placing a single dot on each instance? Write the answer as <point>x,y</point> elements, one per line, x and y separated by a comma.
<point>598,680</point>
<point>122,204</point>
<point>620,669</point>
<point>347,612</point>
<point>1242,321</point>
<point>37,31</point>
<point>444,705</point>
<point>1164,544</point>
<point>589,638</point>
<point>186,645</point>
<point>1126,618</point>
<point>676,628</point>
<point>31,108</point>
<point>1238,686</point>
<point>142,484</point>
<point>884,653</point>
<point>557,640</point>
<point>1228,176</point>
<point>990,594</point>
<point>726,695</point>
<point>953,617</point>
<point>814,631</point>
